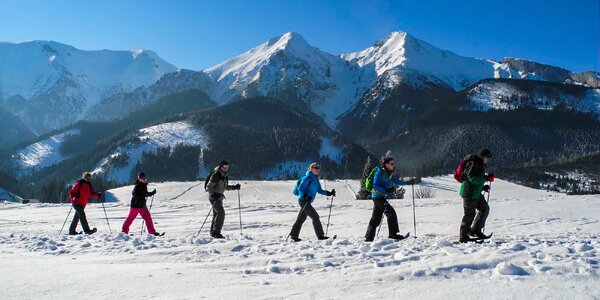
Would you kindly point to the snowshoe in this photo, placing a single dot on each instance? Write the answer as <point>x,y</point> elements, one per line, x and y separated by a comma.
<point>159,234</point>
<point>474,240</point>
<point>323,238</point>
<point>217,236</point>
<point>92,231</point>
<point>478,235</point>
<point>75,233</point>
<point>399,237</point>
<point>296,239</point>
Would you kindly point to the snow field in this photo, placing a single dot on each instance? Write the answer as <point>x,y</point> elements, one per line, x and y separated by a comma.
<point>545,245</point>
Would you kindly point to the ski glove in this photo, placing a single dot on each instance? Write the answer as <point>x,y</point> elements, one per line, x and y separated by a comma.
<point>152,193</point>
<point>332,193</point>
<point>491,177</point>
<point>99,195</point>
<point>237,187</point>
<point>486,188</point>
<point>412,181</point>
<point>389,190</point>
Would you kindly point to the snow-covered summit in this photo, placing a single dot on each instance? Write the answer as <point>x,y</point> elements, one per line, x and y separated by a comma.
<point>400,50</point>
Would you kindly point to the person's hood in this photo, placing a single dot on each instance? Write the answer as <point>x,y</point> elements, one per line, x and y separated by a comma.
<point>139,182</point>
<point>218,169</point>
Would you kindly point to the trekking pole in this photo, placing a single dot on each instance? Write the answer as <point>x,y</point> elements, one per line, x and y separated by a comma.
<point>61,229</point>
<point>240,211</point>
<point>301,211</point>
<point>488,201</point>
<point>381,222</point>
<point>106,216</point>
<point>211,209</point>
<point>143,220</point>
<point>329,217</point>
<point>414,213</point>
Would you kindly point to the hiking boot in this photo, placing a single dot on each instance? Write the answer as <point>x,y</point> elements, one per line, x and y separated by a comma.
<point>397,237</point>
<point>323,238</point>
<point>478,235</point>
<point>217,236</point>
<point>75,233</point>
<point>295,239</point>
<point>368,240</point>
<point>94,230</point>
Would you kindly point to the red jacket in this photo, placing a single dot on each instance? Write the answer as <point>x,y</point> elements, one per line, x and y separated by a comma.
<point>81,192</point>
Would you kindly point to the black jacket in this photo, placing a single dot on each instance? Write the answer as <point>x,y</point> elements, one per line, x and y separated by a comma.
<point>140,192</point>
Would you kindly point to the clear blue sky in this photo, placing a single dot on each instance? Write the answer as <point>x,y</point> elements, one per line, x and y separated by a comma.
<point>199,34</point>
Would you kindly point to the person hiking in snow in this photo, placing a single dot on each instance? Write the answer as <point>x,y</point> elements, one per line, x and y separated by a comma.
<point>138,205</point>
<point>383,185</point>
<point>80,193</point>
<point>308,187</point>
<point>476,209</point>
<point>216,186</point>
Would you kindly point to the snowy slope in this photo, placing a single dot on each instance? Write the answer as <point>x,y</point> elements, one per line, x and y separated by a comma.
<point>288,64</point>
<point>67,80</point>
<point>149,140</point>
<point>43,153</point>
<point>545,246</point>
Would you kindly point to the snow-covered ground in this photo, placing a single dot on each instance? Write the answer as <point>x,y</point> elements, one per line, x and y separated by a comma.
<point>545,245</point>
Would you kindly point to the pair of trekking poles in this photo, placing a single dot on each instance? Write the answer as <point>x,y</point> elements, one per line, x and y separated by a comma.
<point>211,209</point>
<point>414,213</point>
<point>105,215</point>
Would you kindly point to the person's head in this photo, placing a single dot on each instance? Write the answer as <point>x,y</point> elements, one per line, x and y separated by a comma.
<point>87,176</point>
<point>388,163</point>
<point>315,168</point>
<point>224,166</point>
<point>142,177</point>
<point>486,155</point>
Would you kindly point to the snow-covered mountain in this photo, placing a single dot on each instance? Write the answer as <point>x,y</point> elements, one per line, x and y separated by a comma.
<point>288,67</point>
<point>49,85</point>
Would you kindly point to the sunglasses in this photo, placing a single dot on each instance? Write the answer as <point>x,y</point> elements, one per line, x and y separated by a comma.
<point>391,164</point>
<point>316,168</point>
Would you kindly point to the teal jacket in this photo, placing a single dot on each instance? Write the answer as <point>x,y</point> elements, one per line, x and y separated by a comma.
<point>309,187</point>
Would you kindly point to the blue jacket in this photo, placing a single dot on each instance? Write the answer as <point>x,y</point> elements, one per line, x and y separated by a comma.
<point>310,186</point>
<point>382,180</point>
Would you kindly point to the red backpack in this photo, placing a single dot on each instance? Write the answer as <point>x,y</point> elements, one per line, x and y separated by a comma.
<point>459,173</point>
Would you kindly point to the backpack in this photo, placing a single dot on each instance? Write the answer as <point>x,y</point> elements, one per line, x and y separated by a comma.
<point>208,179</point>
<point>296,191</point>
<point>369,179</point>
<point>78,183</point>
<point>459,173</point>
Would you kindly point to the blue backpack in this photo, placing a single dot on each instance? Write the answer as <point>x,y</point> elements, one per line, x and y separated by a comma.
<point>296,191</point>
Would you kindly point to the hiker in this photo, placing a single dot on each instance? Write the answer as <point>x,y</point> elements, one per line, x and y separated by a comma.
<point>138,205</point>
<point>383,182</point>
<point>216,185</point>
<point>80,193</point>
<point>307,189</point>
<point>476,209</point>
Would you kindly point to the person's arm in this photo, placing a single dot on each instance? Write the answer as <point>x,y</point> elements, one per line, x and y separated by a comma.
<point>475,176</point>
<point>302,186</point>
<point>398,181</point>
<point>320,190</point>
<point>148,194</point>
<point>378,182</point>
<point>212,182</point>
<point>93,192</point>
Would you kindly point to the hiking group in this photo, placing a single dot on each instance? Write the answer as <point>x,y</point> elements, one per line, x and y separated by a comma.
<point>381,183</point>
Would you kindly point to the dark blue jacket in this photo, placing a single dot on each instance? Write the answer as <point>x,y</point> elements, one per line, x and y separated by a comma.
<point>310,186</point>
<point>382,180</point>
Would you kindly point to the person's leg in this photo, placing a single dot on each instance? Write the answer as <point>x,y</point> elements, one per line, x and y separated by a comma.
<point>299,220</point>
<point>392,220</point>
<point>376,216</point>
<point>469,206</point>
<point>73,227</point>
<point>83,219</point>
<point>148,219</point>
<point>133,212</point>
<point>312,213</point>
<point>483,210</point>
<point>218,217</point>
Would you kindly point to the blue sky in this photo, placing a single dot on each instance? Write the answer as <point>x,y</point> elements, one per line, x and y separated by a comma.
<point>199,34</point>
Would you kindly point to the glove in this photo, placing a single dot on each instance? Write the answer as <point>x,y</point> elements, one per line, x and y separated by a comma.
<point>99,195</point>
<point>332,193</point>
<point>491,177</point>
<point>237,187</point>
<point>412,181</point>
<point>389,190</point>
<point>486,188</point>
<point>153,192</point>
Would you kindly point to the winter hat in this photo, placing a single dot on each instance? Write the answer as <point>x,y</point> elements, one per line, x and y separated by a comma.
<point>223,163</point>
<point>485,153</point>
<point>142,175</point>
<point>86,174</point>
<point>386,160</point>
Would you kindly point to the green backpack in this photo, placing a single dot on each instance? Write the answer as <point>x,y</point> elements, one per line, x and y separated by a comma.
<point>369,180</point>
